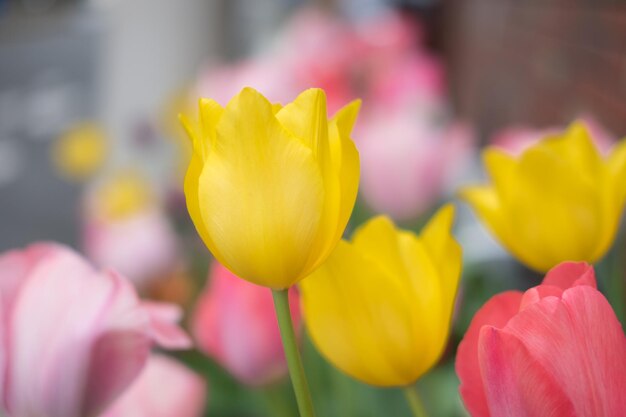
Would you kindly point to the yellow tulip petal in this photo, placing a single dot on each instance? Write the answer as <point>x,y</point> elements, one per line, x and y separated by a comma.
<point>558,201</point>
<point>276,107</point>
<point>576,147</point>
<point>501,167</point>
<point>378,240</point>
<point>193,206</point>
<point>557,206</point>
<point>260,194</point>
<point>357,317</point>
<point>345,158</point>
<point>617,169</point>
<point>443,249</point>
<point>434,264</point>
<point>306,118</point>
<point>201,130</point>
<point>379,309</point>
<point>210,114</point>
<point>429,302</point>
<point>341,126</point>
<point>488,207</point>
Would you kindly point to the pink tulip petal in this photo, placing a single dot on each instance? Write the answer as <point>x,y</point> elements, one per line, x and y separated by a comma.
<point>116,360</point>
<point>71,338</point>
<point>165,388</point>
<point>515,384</point>
<point>52,379</point>
<point>580,343</point>
<point>496,312</point>
<point>164,330</point>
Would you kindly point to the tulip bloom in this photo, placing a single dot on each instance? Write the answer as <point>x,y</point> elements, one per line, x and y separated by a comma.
<point>270,189</point>
<point>164,388</point>
<point>380,308</point>
<point>406,163</point>
<point>235,323</point>
<point>80,152</point>
<point>555,350</point>
<point>560,200</point>
<point>125,230</point>
<point>72,338</point>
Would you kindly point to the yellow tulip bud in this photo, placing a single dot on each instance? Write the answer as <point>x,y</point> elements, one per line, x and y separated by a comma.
<point>559,201</point>
<point>270,189</point>
<point>380,307</point>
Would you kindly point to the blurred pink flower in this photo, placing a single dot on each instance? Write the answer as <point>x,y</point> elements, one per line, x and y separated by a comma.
<point>406,162</point>
<point>142,246</point>
<point>165,388</point>
<point>414,81</point>
<point>516,139</point>
<point>72,338</point>
<point>389,36</point>
<point>234,322</point>
<point>555,350</point>
<point>269,75</point>
<point>321,51</point>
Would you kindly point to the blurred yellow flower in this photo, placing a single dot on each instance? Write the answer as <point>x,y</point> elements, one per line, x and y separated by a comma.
<point>270,189</point>
<point>380,307</point>
<point>80,152</point>
<point>559,201</point>
<point>122,195</point>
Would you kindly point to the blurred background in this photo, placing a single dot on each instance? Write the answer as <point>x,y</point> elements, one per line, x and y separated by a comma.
<point>92,155</point>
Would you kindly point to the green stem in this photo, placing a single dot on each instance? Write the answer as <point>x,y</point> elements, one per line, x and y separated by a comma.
<point>415,402</point>
<point>296,371</point>
<point>275,402</point>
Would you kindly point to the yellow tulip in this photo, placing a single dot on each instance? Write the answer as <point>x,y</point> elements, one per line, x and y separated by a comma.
<point>380,307</point>
<point>80,152</point>
<point>122,195</point>
<point>270,189</point>
<point>560,200</point>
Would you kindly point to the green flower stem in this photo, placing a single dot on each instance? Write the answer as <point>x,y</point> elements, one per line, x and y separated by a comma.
<point>296,371</point>
<point>415,402</point>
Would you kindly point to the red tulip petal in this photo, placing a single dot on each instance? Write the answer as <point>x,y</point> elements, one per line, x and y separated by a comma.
<point>537,293</point>
<point>515,384</point>
<point>580,343</point>
<point>496,312</point>
<point>569,274</point>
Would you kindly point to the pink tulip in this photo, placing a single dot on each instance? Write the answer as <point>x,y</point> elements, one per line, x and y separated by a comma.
<point>234,322</point>
<point>72,338</point>
<point>407,162</point>
<point>142,246</point>
<point>555,350</point>
<point>165,388</point>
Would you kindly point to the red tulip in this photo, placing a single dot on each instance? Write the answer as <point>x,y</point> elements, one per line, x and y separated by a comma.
<point>555,350</point>
<point>72,338</point>
<point>234,322</point>
<point>165,388</point>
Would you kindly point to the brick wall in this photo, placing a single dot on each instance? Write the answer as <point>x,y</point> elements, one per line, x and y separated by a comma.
<point>536,61</point>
